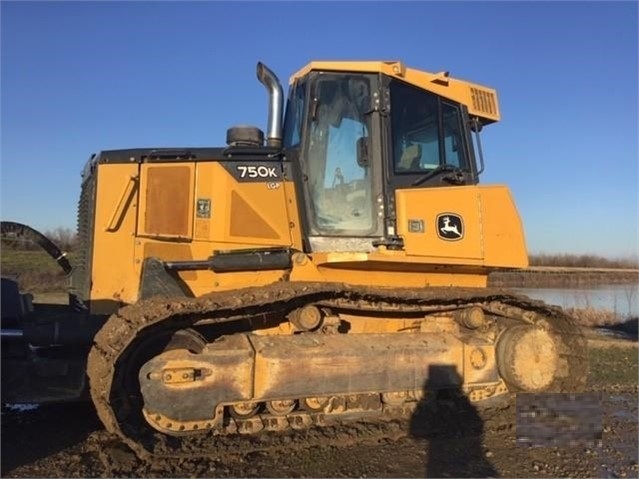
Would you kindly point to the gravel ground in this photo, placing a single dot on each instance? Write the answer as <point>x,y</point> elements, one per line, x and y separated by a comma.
<point>69,441</point>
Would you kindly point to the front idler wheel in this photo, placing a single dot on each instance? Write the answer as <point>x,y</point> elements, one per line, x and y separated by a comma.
<point>528,358</point>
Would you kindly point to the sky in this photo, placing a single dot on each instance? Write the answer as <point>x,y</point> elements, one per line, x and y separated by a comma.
<point>80,77</point>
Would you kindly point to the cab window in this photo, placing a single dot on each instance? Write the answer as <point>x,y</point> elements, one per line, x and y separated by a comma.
<point>339,187</point>
<point>294,116</point>
<point>426,131</point>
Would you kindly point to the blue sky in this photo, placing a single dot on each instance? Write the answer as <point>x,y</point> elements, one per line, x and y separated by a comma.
<point>79,77</point>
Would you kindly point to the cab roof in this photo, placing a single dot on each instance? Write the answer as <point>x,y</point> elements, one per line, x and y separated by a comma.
<point>480,100</point>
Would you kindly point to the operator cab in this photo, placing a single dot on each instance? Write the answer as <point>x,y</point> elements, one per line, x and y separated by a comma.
<point>357,138</point>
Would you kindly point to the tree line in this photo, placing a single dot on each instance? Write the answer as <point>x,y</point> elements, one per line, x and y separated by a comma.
<point>582,261</point>
<point>65,238</point>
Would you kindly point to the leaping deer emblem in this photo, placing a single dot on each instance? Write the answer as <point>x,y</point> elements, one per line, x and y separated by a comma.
<point>449,229</point>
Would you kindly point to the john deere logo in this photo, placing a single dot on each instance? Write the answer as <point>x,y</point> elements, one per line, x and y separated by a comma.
<point>450,227</point>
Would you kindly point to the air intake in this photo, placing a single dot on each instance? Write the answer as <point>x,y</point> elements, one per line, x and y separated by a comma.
<point>483,101</point>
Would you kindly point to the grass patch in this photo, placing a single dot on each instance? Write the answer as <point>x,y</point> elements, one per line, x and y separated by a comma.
<point>613,365</point>
<point>591,317</point>
<point>597,318</point>
<point>35,271</point>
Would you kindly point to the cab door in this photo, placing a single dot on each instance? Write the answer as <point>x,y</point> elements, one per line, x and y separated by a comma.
<point>432,176</point>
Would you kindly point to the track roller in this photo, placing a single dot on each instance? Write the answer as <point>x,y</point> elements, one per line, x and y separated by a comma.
<point>281,407</point>
<point>244,410</point>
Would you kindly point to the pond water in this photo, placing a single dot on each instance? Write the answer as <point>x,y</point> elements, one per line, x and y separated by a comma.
<point>622,299</point>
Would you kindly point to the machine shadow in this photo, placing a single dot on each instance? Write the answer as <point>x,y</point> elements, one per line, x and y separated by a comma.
<point>451,427</point>
<point>28,436</point>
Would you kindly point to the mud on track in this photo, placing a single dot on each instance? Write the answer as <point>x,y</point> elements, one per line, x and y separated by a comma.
<point>109,358</point>
<point>69,441</point>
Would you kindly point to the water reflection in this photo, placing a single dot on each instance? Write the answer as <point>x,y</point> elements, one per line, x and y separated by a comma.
<point>622,299</point>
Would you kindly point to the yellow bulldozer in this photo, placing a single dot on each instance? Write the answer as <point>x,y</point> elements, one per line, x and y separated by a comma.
<point>336,264</point>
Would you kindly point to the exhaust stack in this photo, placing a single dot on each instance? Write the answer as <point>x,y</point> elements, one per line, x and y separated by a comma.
<point>276,104</point>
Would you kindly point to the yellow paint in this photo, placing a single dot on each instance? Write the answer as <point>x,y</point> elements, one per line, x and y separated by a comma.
<point>121,207</point>
<point>492,230</point>
<point>504,240</point>
<point>118,251</point>
<point>190,210</point>
<point>237,207</point>
<point>493,237</point>
<point>391,274</point>
<point>425,205</point>
<point>205,191</point>
<point>165,200</point>
<point>346,257</point>
<point>293,214</point>
<point>115,275</point>
<point>481,101</point>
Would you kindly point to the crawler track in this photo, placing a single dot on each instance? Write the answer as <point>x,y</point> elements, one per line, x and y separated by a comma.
<point>115,341</point>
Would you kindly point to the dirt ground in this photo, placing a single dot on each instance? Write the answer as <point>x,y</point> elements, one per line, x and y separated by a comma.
<point>69,441</point>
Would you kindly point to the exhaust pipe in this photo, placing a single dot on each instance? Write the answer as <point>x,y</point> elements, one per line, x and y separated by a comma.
<point>276,104</point>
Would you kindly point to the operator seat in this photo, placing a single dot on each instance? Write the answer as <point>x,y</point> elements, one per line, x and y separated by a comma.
<point>411,157</point>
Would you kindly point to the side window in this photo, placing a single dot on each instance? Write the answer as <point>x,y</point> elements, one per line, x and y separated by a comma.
<point>294,116</point>
<point>453,146</point>
<point>421,142</point>
<point>415,129</point>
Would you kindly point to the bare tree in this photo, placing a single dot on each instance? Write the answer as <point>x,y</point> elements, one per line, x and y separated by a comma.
<point>64,238</point>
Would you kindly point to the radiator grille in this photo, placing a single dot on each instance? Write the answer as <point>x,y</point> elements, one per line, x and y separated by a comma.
<point>483,101</point>
<point>81,276</point>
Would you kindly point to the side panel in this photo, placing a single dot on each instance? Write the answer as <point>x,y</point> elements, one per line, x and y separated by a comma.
<point>226,213</point>
<point>441,222</point>
<point>246,213</point>
<point>114,273</point>
<point>202,201</point>
<point>166,206</point>
<point>474,225</point>
<point>504,240</point>
<point>180,211</point>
